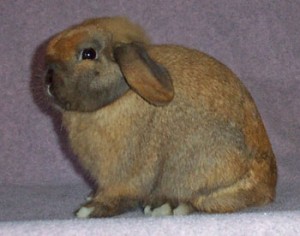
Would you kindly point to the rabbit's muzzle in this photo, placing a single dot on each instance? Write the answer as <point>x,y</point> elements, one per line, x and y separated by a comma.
<point>54,85</point>
<point>87,90</point>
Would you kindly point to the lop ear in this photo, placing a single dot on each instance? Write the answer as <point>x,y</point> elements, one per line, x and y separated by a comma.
<point>145,76</point>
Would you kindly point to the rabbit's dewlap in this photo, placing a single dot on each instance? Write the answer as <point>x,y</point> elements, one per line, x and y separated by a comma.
<point>163,126</point>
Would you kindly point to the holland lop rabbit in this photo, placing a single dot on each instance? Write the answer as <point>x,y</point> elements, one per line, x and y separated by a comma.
<point>162,126</point>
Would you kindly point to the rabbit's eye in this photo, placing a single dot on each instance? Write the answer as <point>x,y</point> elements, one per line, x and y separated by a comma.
<point>88,54</point>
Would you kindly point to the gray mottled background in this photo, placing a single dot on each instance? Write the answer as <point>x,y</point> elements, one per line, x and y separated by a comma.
<point>258,39</point>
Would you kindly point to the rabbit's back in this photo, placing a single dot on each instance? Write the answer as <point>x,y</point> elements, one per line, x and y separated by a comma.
<point>207,90</point>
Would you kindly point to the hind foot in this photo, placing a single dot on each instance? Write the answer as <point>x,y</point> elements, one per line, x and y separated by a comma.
<point>167,210</point>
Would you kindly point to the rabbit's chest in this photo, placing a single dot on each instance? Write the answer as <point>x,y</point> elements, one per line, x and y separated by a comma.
<point>93,137</point>
<point>100,142</point>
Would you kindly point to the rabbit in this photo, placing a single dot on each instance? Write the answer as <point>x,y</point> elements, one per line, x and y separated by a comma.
<point>163,127</point>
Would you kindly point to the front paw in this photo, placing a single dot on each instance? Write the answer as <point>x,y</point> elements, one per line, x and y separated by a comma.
<point>97,207</point>
<point>96,210</point>
<point>84,212</point>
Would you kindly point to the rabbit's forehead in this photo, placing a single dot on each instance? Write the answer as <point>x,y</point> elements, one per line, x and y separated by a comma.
<point>65,45</point>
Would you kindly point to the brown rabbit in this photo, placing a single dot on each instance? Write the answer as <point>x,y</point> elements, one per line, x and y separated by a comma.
<point>164,126</point>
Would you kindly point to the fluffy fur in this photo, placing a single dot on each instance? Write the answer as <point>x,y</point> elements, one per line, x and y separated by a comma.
<point>156,124</point>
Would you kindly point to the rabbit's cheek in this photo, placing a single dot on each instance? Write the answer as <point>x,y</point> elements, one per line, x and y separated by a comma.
<point>95,93</point>
<point>90,91</point>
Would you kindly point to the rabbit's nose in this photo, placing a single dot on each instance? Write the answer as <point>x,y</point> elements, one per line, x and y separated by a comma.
<point>49,77</point>
<point>49,81</point>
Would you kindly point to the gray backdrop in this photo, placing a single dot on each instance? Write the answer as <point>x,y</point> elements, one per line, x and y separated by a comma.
<point>259,40</point>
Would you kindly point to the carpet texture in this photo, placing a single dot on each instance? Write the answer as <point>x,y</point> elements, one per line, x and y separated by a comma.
<point>40,182</point>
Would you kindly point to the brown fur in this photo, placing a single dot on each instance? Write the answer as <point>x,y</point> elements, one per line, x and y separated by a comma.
<point>206,146</point>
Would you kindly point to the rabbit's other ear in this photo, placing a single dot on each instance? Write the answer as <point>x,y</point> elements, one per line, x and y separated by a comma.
<point>145,76</point>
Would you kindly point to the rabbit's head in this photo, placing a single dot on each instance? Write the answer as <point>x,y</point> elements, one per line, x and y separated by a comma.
<point>93,64</point>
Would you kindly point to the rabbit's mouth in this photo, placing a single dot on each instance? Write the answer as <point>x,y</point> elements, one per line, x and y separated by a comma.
<point>57,103</point>
<point>53,97</point>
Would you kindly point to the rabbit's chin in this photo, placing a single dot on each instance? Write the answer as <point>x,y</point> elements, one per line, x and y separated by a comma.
<point>63,106</point>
